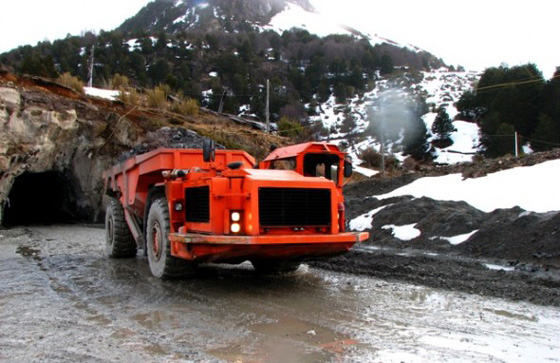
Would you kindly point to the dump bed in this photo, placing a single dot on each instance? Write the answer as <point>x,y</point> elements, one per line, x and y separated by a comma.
<point>138,173</point>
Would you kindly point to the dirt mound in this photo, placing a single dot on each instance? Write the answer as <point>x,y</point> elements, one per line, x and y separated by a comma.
<point>526,240</point>
<point>484,167</point>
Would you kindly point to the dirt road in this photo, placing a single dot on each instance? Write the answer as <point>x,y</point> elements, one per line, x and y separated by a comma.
<point>62,300</point>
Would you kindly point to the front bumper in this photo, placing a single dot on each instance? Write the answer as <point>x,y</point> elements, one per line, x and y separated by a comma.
<point>236,249</point>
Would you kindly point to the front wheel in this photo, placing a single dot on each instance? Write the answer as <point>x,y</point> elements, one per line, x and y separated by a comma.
<point>162,264</point>
<point>273,267</point>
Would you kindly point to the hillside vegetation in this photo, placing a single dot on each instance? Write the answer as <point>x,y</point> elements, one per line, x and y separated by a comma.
<point>371,97</point>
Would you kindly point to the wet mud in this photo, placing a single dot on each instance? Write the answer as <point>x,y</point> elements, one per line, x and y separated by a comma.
<point>61,300</point>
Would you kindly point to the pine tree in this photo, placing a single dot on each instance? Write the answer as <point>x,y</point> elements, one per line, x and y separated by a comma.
<point>416,140</point>
<point>387,66</point>
<point>546,135</point>
<point>443,126</point>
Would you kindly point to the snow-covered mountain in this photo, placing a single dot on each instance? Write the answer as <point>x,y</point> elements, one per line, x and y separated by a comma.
<point>344,121</point>
<point>222,52</point>
<point>440,87</point>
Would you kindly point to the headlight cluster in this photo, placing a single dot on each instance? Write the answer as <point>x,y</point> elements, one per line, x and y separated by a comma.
<point>235,222</point>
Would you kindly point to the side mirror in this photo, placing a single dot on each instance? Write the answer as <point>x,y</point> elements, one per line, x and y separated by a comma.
<point>347,169</point>
<point>208,150</point>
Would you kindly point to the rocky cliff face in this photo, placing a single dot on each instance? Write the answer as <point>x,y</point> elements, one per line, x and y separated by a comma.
<point>55,145</point>
<point>44,135</point>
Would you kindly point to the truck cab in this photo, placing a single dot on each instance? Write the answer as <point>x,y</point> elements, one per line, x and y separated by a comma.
<point>312,159</point>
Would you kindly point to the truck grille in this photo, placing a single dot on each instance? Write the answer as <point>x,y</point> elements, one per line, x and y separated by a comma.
<point>282,207</point>
<point>197,204</point>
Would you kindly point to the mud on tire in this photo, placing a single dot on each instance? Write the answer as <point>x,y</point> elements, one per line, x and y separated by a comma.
<point>119,242</point>
<point>162,264</point>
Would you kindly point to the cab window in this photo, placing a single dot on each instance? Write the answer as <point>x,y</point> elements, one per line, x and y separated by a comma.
<point>284,164</point>
<point>325,165</point>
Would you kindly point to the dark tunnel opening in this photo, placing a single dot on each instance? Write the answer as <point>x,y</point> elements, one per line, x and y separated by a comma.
<point>41,199</point>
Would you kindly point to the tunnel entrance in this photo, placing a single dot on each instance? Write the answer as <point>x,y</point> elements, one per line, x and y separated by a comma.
<point>41,198</point>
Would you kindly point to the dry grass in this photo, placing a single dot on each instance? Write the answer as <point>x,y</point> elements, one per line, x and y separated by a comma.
<point>156,98</point>
<point>130,97</point>
<point>120,82</point>
<point>186,107</point>
<point>66,79</point>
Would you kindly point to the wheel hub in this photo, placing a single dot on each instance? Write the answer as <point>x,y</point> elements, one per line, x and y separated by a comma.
<point>156,240</point>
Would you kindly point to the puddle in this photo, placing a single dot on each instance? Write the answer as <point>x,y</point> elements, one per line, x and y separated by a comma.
<point>98,309</point>
<point>29,252</point>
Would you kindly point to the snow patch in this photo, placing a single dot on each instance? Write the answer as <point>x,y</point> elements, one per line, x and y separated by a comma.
<point>110,95</point>
<point>457,240</point>
<point>498,267</point>
<point>531,188</point>
<point>364,221</point>
<point>404,233</point>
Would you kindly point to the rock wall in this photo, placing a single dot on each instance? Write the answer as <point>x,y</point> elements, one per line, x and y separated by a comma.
<point>41,132</point>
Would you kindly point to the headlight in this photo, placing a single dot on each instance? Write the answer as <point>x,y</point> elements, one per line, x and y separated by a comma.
<point>235,228</point>
<point>235,218</point>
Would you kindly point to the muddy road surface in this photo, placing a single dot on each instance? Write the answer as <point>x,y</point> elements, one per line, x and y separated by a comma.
<point>61,300</point>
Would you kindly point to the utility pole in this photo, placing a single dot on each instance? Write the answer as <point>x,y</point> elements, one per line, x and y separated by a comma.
<point>221,107</point>
<point>268,106</point>
<point>516,144</point>
<point>90,69</point>
<point>382,156</point>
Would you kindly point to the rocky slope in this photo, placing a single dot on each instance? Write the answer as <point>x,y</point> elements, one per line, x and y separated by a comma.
<point>56,143</point>
<point>514,237</point>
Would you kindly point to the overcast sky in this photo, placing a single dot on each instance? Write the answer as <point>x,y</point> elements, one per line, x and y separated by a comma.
<point>476,34</point>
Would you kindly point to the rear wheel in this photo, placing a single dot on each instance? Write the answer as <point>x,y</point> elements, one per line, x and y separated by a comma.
<point>119,240</point>
<point>162,264</point>
<point>270,267</point>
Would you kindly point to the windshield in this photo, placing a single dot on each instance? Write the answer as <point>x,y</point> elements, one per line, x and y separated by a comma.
<point>325,165</point>
<point>284,164</point>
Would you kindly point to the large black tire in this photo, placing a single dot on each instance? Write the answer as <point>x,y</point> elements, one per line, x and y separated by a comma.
<point>275,267</point>
<point>119,240</point>
<point>162,264</point>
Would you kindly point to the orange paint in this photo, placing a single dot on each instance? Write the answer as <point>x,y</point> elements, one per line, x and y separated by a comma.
<point>293,214</point>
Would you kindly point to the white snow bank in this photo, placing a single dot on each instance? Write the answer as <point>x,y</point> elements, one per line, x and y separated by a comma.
<point>532,188</point>
<point>498,267</point>
<point>404,233</point>
<point>364,221</point>
<point>296,17</point>
<point>457,240</point>
<point>365,171</point>
<point>107,94</point>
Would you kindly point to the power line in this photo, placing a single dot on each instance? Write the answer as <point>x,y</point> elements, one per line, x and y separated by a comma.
<point>534,79</point>
<point>540,141</point>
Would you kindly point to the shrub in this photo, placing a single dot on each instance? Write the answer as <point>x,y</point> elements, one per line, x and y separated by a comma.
<point>289,128</point>
<point>130,97</point>
<point>120,82</point>
<point>165,88</point>
<point>156,98</point>
<point>186,106</point>
<point>66,79</point>
<point>410,164</point>
<point>372,158</point>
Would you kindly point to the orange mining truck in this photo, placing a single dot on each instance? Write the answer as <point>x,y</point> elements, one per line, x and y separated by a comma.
<point>189,206</point>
